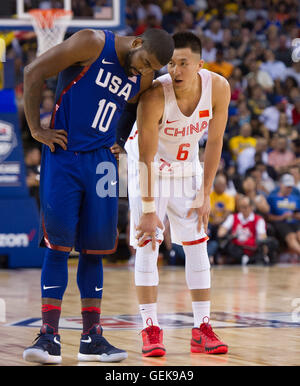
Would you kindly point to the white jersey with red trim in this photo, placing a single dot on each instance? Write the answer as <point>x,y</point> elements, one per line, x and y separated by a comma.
<point>179,135</point>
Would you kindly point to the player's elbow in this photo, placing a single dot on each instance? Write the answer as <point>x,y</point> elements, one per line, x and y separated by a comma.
<point>29,73</point>
<point>32,75</point>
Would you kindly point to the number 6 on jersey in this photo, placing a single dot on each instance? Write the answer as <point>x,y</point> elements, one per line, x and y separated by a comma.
<point>104,115</point>
<point>183,154</point>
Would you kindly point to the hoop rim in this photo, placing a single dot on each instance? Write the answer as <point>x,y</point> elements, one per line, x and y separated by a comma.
<point>46,17</point>
<point>54,12</point>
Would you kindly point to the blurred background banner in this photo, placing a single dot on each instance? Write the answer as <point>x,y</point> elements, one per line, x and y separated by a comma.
<point>18,211</point>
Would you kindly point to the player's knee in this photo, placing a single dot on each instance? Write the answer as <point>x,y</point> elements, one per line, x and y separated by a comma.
<point>90,258</point>
<point>197,257</point>
<point>146,273</point>
<point>197,266</point>
<point>146,259</point>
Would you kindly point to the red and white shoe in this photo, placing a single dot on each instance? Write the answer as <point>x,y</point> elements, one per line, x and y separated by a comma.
<point>153,341</point>
<point>204,340</point>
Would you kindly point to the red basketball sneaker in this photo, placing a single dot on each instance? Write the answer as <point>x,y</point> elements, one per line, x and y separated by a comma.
<point>204,340</point>
<point>153,341</point>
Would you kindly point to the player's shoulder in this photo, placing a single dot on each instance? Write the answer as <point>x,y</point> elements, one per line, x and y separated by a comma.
<point>221,92</point>
<point>218,81</point>
<point>154,94</point>
<point>94,39</point>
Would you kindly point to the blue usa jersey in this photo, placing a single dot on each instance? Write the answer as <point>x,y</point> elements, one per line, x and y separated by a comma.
<point>90,100</point>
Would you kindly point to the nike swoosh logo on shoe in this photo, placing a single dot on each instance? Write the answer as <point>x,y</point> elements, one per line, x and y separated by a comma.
<point>215,347</point>
<point>86,340</point>
<point>198,341</point>
<point>57,341</point>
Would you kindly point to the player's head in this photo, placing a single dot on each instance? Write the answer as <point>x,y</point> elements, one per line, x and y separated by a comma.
<point>186,60</point>
<point>150,52</point>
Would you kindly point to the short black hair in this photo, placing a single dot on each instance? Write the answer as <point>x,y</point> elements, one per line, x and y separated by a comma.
<point>159,43</point>
<point>187,39</point>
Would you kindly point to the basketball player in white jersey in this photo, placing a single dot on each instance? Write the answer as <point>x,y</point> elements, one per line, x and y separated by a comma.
<point>172,117</point>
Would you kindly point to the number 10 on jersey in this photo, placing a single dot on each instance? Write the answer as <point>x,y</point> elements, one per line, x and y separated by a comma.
<point>104,115</point>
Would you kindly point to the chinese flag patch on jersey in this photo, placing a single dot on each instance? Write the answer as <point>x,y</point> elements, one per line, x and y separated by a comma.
<point>204,113</point>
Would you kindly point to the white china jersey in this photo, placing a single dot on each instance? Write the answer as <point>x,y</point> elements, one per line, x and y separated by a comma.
<point>179,135</point>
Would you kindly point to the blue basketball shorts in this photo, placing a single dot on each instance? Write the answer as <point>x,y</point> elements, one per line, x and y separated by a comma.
<point>79,201</point>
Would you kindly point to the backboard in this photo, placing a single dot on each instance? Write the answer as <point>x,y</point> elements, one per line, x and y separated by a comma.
<point>96,14</point>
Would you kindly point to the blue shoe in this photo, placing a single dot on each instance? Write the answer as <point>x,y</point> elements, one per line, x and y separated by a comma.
<point>46,348</point>
<point>95,348</point>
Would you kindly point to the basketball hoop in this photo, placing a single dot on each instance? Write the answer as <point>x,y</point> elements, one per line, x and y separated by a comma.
<point>50,27</point>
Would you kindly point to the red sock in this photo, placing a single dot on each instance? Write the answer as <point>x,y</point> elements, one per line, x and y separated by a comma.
<point>90,316</point>
<point>51,315</point>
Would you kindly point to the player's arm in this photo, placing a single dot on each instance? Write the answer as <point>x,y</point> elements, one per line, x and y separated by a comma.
<point>149,114</point>
<point>220,101</point>
<point>82,48</point>
<point>128,116</point>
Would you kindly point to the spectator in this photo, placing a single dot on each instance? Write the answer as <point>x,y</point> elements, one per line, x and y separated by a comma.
<point>208,50</point>
<point>258,200</point>
<point>146,8</point>
<point>220,66</point>
<point>293,71</point>
<point>295,172</point>
<point>271,115</point>
<point>296,149</point>
<point>275,68</point>
<point>246,158</point>
<point>32,158</point>
<point>244,113</point>
<point>260,76</point>
<point>296,112</point>
<point>248,236</point>
<point>264,181</point>
<point>285,213</point>
<point>240,142</point>
<point>258,100</point>
<point>281,157</point>
<point>222,204</point>
<point>46,108</point>
<point>256,10</point>
<point>81,8</point>
<point>215,31</point>
<point>151,21</point>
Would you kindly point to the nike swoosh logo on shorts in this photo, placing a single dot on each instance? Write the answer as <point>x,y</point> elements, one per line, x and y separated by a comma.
<point>114,183</point>
<point>98,289</point>
<point>106,62</point>
<point>86,340</point>
<point>49,287</point>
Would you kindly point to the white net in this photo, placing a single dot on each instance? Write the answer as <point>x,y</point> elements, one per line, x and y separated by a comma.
<point>50,27</point>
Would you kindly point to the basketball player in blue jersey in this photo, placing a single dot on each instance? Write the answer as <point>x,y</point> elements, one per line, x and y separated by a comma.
<point>100,76</point>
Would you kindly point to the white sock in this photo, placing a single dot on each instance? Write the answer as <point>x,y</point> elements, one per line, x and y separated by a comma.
<point>149,311</point>
<point>201,310</point>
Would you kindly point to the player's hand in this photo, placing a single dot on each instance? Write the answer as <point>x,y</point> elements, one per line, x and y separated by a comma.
<point>50,137</point>
<point>202,211</point>
<point>147,228</point>
<point>116,150</point>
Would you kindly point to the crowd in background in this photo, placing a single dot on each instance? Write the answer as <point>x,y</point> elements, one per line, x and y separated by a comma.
<point>253,45</point>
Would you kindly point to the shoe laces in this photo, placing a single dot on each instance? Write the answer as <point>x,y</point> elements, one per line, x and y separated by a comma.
<point>43,338</point>
<point>152,331</point>
<point>207,330</point>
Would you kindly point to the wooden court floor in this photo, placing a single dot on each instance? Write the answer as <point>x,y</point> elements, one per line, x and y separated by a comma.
<point>255,310</point>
